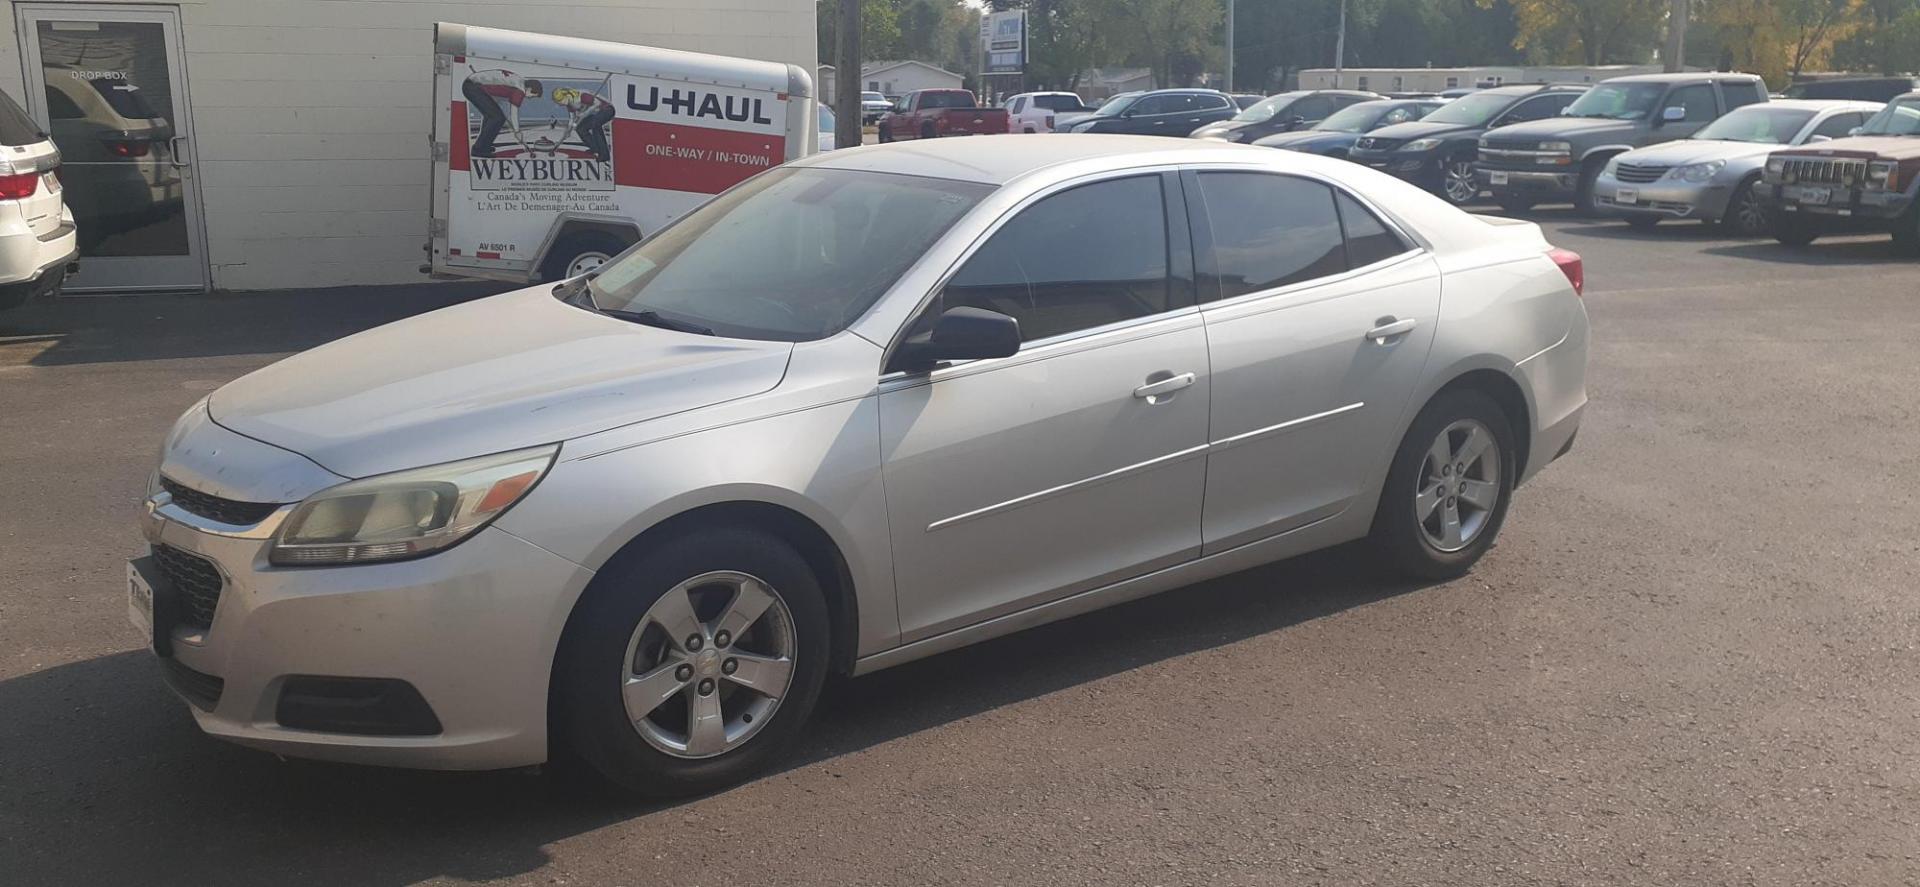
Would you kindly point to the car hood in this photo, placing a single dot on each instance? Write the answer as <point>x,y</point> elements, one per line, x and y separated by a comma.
<point>1560,129</point>
<point>1687,151</point>
<point>1221,129</point>
<point>1882,147</point>
<point>1419,129</point>
<point>1310,140</point>
<point>511,371</point>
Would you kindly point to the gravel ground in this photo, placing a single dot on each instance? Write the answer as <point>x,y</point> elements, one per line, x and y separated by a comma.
<point>1690,660</point>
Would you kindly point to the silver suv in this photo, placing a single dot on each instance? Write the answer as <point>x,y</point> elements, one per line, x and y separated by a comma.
<point>37,245</point>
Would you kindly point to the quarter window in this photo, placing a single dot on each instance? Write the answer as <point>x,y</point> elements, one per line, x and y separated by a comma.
<point>1268,231</point>
<point>1083,258</point>
<point>1369,240</point>
<point>1839,125</point>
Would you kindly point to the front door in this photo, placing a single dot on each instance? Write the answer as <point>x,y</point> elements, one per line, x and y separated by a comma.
<point>107,83</point>
<point>1080,460</point>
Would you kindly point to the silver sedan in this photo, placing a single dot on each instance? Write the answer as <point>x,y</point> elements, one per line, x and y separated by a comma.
<point>1710,176</point>
<point>867,407</point>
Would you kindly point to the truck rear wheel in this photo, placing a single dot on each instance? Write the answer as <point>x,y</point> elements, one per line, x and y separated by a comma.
<point>579,252</point>
<point>926,131</point>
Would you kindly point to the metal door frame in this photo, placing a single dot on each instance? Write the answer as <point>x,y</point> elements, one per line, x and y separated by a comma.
<point>129,275</point>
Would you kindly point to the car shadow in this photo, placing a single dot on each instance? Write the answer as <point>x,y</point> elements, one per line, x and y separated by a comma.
<point>1867,249</point>
<point>107,774</point>
<point>150,326</point>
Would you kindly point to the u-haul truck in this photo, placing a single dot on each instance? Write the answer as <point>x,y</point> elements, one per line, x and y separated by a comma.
<point>552,154</point>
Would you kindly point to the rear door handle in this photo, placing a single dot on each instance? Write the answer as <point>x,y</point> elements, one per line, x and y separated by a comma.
<point>1153,391</point>
<point>1388,328</point>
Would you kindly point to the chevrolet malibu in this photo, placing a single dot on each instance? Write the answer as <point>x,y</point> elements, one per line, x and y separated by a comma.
<point>867,407</point>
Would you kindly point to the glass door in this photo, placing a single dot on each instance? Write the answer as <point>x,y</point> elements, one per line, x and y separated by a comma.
<point>107,83</point>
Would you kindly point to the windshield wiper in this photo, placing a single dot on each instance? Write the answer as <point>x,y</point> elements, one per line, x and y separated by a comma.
<point>570,292</point>
<point>656,319</point>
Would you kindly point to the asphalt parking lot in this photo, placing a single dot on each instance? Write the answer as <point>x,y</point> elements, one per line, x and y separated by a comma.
<point>1691,658</point>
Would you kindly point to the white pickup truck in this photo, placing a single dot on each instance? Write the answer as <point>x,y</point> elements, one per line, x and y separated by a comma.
<point>553,154</point>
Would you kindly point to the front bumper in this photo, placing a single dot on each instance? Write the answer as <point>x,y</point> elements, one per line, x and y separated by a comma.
<point>1665,199</point>
<point>33,266</point>
<point>1420,169</point>
<point>1531,182</point>
<point>473,629</point>
<point>1852,204</point>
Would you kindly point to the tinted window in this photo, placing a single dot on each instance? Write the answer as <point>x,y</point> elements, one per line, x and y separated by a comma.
<point>1764,125</point>
<point>1210,102</point>
<point>1742,92</point>
<point>60,107</point>
<point>1474,110</point>
<point>1269,231</point>
<point>1369,240</point>
<point>1839,125</point>
<point>1697,100</point>
<point>1060,102</point>
<point>1079,259</point>
<point>16,128</point>
<point>1539,108</point>
<point>946,100</point>
<point>1313,107</point>
<point>1159,104</point>
<point>1019,104</point>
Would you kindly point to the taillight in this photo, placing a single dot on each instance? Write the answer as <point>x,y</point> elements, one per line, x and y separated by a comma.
<point>19,187</point>
<point>1572,267</point>
<point>129,147</point>
<point>1049,122</point>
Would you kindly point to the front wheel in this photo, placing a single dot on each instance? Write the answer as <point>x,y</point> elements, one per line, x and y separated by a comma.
<point>1746,216</point>
<point>886,134</point>
<point>1583,199</point>
<point>1793,230</point>
<point>1446,493</point>
<point>694,664</point>
<point>1456,181</point>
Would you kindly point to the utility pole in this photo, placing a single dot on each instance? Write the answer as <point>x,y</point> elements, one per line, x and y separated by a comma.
<point>847,82</point>
<point>1676,54</point>
<point>1230,4</point>
<point>1340,45</point>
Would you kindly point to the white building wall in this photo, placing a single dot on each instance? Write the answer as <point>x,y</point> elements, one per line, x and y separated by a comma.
<point>311,117</point>
<point>907,78</point>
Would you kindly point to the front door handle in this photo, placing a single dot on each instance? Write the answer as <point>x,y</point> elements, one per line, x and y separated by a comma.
<point>1387,328</point>
<point>173,148</point>
<point>1154,391</point>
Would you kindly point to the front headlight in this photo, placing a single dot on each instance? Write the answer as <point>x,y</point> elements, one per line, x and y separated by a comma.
<point>1698,172</point>
<point>406,513</point>
<point>1560,147</point>
<point>1883,175</point>
<point>1421,145</point>
<point>1776,166</point>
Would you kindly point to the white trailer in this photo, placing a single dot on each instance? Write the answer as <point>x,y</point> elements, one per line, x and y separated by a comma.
<point>552,154</point>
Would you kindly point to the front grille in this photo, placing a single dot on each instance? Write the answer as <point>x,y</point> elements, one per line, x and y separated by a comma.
<point>203,690</point>
<point>195,581</point>
<point>1370,143</point>
<point>1816,171</point>
<point>1637,174</point>
<point>211,507</point>
<point>1508,145</point>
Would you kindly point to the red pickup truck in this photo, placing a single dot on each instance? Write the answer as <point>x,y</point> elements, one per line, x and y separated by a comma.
<point>932,113</point>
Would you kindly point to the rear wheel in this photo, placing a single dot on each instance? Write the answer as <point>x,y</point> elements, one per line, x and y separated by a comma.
<point>1906,233</point>
<point>1793,230</point>
<point>578,253</point>
<point>1446,493</point>
<point>926,130</point>
<point>1456,181</point>
<point>694,664</point>
<point>1746,216</point>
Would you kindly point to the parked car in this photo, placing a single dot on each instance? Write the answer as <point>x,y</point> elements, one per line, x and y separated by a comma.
<point>1561,158</point>
<point>826,124</point>
<point>1714,174</point>
<point>1859,89</point>
<point>1334,136</point>
<point>1161,112</point>
<point>1458,92</point>
<point>872,106</point>
<point>1032,112</point>
<point>1285,112</point>
<point>1867,182</point>
<point>1437,152</point>
<point>37,238</point>
<point>637,519</point>
<point>935,113</point>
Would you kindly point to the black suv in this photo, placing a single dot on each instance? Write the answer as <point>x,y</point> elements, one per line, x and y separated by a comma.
<point>1285,112</point>
<point>1437,152</point>
<point>1162,112</point>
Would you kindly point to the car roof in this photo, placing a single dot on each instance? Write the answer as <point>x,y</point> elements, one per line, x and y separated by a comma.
<point>1816,105</point>
<point>999,159</point>
<point>1184,89</point>
<point>1679,77</point>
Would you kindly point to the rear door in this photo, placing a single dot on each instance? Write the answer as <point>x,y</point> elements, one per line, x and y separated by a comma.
<point>1319,317</point>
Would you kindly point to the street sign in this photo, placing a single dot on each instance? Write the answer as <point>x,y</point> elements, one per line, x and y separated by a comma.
<point>1003,37</point>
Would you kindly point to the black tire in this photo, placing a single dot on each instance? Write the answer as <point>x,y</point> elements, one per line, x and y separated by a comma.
<point>576,246</point>
<point>1513,203</point>
<point>926,131</point>
<point>1643,223</point>
<point>591,719</point>
<point>1449,169</point>
<point>1793,230</point>
<point>1583,201</point>
<point>1906,233</point>
<point>885,134</point>
<point>1746,216</point>
<point>1398,533</point>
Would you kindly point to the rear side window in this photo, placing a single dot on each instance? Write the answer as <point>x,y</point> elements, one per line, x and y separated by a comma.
<point>1742,92</point>
<point>1082,258</point>
<point>16,128</point>
<point>1369,240</point>
<point>1540,107</point>
<point>1059,102</point>
<point>1839,126</point>
<point>1697,100</point>
<point>1019,104</point>
<point>945,100</point>
<point>1268,231</point>
<point>1313,107</point>
<point>1211,102</point>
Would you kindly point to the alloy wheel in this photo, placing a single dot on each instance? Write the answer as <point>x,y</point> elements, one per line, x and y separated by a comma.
<point>1459,485</point>
<point>1749,215</point>
<point>708,664</point>
<point>1459,182</point>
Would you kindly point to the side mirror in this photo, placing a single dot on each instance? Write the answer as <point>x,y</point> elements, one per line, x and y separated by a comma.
<point>1673,114</point>
<point>961,333</point>
<point>1296,121</point>
<point>1817,139</point>
<point>1854,131</point>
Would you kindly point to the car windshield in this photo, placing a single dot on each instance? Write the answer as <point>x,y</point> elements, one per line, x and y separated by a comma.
<point>1263,110</point>
<point>1901,118</point>
<point>1117,105</point>
<point>1356,118</point>
<point>1473,110</point>
<point>1059,102</point>
<point>793,254</point>
<point>1758,124</point>
<point>1617,101</point>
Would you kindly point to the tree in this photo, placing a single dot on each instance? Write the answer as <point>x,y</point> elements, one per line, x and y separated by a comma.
<point>1810,28</point>
<point>1591,32</point>
<point>879,29</point>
